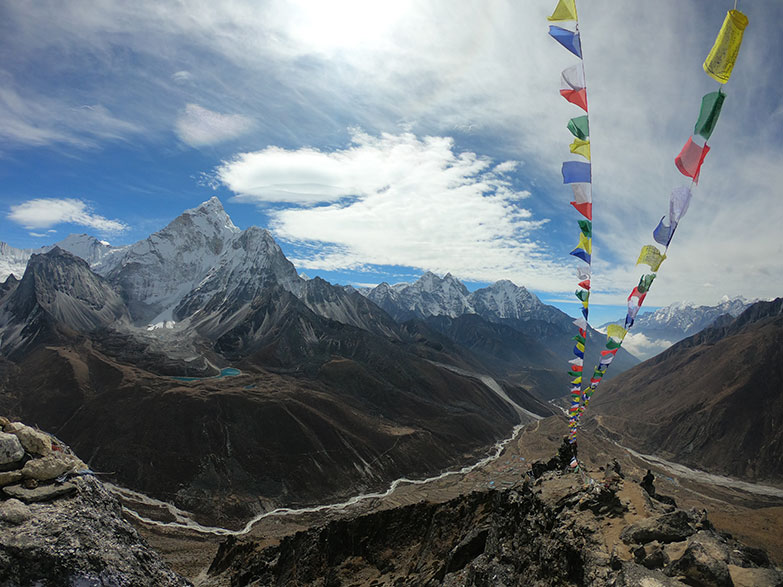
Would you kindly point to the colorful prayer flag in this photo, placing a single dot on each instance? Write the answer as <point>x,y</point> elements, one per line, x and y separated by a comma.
<point>580,147</point>
<point>572,86</point>
<point>663,233</point>
<point>635,300</point>
<point>579,353</point>
<point>721,58</point>
<point>579,127</point>
<point>651,256</point>
<point>616,331</point>
<point>584,249</point>
<point>645,282</point>
<point>578,338</point>
<point>576,172</point>
<point>679,201</point>
<point>606,360</point>
<point>690,159</point>
<point>565,10</point>
<point>585,284</point>
<point>708,115</point>
<point>586,226</point>
<point>568,39</point>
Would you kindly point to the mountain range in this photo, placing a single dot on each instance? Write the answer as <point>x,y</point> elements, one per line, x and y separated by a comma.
<point>656,331</point>
<point>328,393</point>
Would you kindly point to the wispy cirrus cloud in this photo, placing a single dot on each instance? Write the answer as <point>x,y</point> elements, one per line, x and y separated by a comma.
<point>398,199</point>
<point>47,212</point>
<point>32,119</point>
<point>198,126</point>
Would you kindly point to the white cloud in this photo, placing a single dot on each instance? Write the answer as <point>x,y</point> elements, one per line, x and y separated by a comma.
<point>31,119</point>
<point>37,234</point>
<point>46,212</point>
<point>487,69</point>
<point>182,76</point>
<point>398,200</point>
<point>644,347</point>
<point>198,126</point>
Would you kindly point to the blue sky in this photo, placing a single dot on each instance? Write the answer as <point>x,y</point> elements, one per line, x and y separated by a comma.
<point>378,140</point>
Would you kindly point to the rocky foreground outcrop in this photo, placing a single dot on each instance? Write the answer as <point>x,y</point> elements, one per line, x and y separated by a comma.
<point>60,527</point>
<point>554,531</point>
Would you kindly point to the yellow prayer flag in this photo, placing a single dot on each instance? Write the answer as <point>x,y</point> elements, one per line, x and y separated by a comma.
<point>586,244</point>
<point>565,10</point>
<point>580,346</point>
<point>616,331</point>
<point>585,303</point>
<point>576,381</point>
<point>723,54</point>
<point>580,147</point>
<point>651,256</point>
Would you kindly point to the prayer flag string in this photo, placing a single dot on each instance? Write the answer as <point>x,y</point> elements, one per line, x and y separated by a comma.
<point>718,65</point>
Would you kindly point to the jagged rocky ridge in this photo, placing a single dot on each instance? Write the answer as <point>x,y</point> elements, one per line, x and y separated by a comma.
<point>59,526</point>
<point>550,532</point>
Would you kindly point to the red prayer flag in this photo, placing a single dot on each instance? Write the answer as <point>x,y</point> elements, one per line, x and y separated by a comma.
<point>584,284</point>
<point>610,352</point>
<point>578,97</point>
<point>690,159</point>
<point>585,209</point>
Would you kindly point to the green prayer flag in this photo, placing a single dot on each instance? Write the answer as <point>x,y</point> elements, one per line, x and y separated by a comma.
<point>579,338</point>
<point>579,127</point>
<point>708,116</point>
<point>587,228</point>
<point>597,374</point>
<point>582,295</point>
<point>575,374</point>
<point>645,282</point>
<point>612,344</point>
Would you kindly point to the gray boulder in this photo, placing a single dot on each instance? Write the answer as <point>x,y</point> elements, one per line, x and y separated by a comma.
<point>34,441</point>
<point>11,450</point>
<point>704,562</point>
<point>671,527</point>
<point>51,467</point>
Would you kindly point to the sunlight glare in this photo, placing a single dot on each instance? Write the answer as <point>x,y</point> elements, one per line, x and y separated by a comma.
<point>345,24</point>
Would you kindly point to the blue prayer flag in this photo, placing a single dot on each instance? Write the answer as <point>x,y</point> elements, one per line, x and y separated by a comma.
<point>663,234</point>
<point>582,254</point>
<point>576,172</point>
<point>568,39</point>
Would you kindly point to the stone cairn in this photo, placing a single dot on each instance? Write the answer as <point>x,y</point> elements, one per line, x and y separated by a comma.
<point>34,467</point>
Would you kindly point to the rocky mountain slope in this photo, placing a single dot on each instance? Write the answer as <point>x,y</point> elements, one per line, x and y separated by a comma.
<point>712,401</point>
<point>58,295</point>
<point>549,530</point>
<point>13,261</point>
